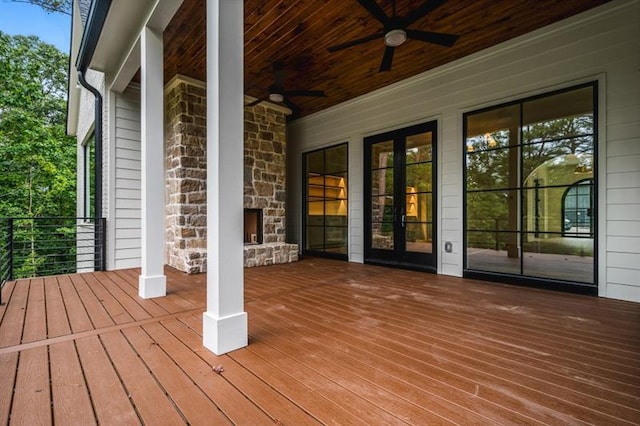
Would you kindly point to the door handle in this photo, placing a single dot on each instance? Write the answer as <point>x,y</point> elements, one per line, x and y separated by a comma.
<point>403,220</point>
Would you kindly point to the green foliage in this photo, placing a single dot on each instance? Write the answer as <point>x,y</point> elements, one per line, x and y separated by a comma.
<point>37,159</point>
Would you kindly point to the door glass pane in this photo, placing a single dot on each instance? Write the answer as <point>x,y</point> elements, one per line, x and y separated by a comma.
<point>315,163</point>
<point>335,239</point>
<point>419,207</point>
<point>382,236</point>
<point>382,222</point>
<point>382,182</point>
<point>418,148</point>
<point>382,155</point>
<point>418,234</point>
<point>382,191</point>
<point>418,177</point>
<point>327,200</point>
<point>336,160</point>
<point>315,213</point>
<point>418,237</point>
<point>315,238</point>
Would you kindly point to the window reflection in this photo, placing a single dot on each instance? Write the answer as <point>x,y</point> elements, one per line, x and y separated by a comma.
<point>530,187</point>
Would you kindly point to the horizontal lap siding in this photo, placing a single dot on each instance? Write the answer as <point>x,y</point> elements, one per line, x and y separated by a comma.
<point>127,194</point>
<point>603,43</point>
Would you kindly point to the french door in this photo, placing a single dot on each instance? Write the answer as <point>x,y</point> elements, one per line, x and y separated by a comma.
<point>400,210</point>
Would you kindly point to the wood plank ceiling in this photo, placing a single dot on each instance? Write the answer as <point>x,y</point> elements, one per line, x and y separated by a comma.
<point>298,33</point>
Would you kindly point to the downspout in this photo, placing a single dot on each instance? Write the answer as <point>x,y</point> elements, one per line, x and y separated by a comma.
<point>93,28</point>
<point>99,238</point>
<point>98,139</point>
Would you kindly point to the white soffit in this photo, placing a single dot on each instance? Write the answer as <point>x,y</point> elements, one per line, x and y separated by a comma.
<point>117,53</point>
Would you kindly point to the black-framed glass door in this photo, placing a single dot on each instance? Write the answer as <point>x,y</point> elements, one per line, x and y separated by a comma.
<point>400,210</point>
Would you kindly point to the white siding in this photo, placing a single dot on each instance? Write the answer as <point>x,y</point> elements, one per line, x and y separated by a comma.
<point>602,44</point>
<point>125,236</point>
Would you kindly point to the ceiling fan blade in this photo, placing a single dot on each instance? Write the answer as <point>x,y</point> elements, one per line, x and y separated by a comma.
<point>422,10</point>
<point>375,9</point>
<point>316,93</point>
<point>435,38</point>
<point>293,107</point>
<point>387,59</point>
<point>356,42</point>
<point>257,101</point>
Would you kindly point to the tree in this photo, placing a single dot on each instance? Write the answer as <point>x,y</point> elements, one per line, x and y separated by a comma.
<point>37,159</point>
<point>53,6</point>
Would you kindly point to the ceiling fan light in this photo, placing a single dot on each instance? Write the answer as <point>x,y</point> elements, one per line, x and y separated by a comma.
<point>395,38</point>
<point>276,97</point>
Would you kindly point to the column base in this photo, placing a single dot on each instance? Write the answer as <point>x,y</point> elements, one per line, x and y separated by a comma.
<point>222,335</point>
<point>154,286</point>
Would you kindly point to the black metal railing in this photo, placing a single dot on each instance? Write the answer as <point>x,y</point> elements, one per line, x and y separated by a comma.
<point>40,246</point>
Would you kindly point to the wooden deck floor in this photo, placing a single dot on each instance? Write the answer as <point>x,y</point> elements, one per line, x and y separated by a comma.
<point>330,343</point>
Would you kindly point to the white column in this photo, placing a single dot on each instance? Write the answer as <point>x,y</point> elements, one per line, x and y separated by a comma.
<point>152,281</point>
<point>225,322</point>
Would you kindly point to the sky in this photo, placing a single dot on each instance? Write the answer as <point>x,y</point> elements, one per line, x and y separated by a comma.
<point>26,19</point>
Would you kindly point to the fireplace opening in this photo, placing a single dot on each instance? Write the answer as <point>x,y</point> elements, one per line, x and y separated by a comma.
<point>253,226</point>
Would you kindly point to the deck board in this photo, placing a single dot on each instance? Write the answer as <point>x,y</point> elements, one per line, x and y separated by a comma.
<point>329,343</point>
<point>69,391</point>
<point>32,401</point>
<point>57,320</point>
<point>35,323</point>
<point>8,371</point>
<point>12,324</point>
<point>76,311</point>
<point>6,290</point>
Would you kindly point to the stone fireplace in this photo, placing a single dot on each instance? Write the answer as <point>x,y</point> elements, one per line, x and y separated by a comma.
<point>253,226</point>
<point>264,180</point>
<point>264,183</point>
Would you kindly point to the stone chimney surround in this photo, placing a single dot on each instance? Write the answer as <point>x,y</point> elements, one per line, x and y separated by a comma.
<point>264,178</point>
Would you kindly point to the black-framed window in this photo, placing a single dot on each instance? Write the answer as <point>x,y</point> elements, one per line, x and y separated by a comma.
<point>326,215</point>
<point>530,171</point>
<point>89,172</point>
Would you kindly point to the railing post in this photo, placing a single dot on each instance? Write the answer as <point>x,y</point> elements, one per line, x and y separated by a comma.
<point>103,244</point>
<point>10,239</point>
